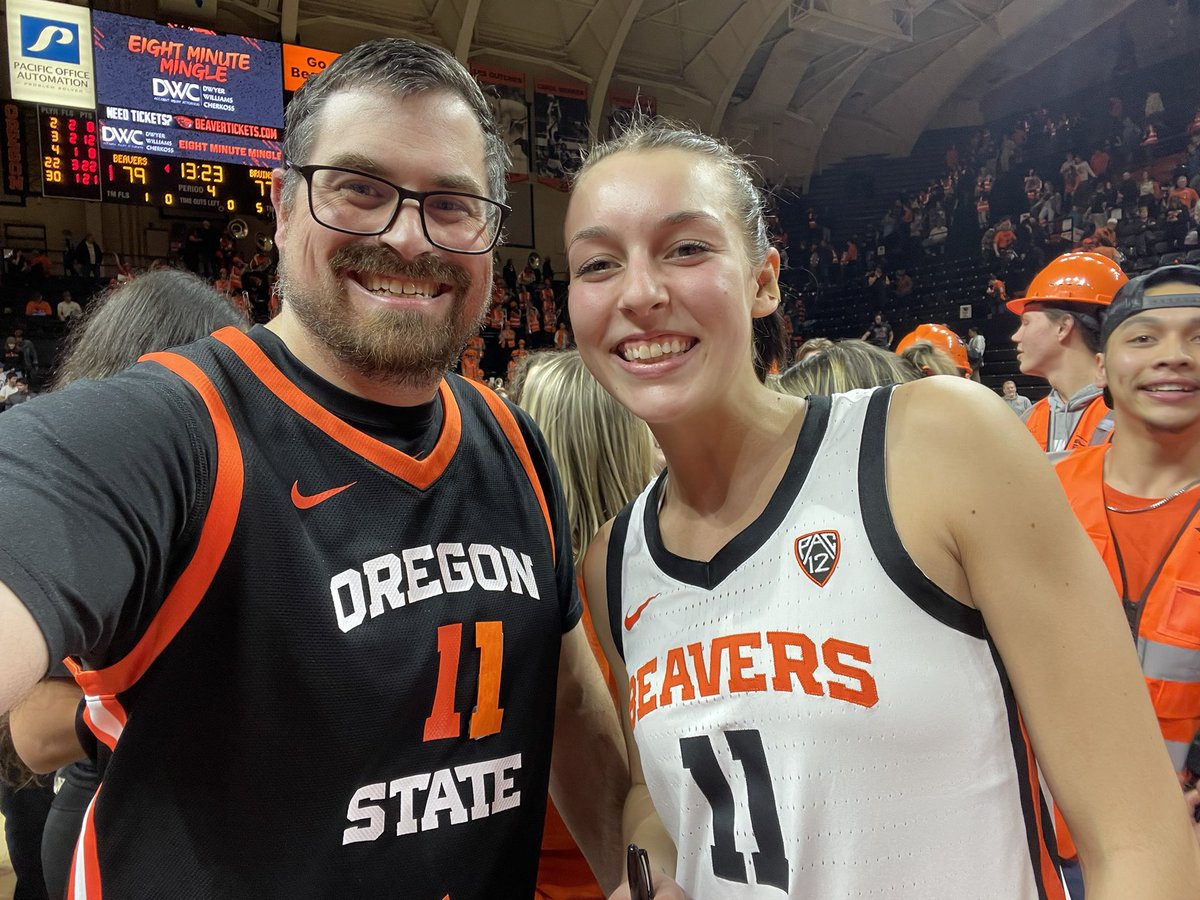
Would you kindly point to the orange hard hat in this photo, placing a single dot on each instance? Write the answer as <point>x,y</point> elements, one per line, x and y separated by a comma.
<point>943,339</point>
<point>1079,277</point>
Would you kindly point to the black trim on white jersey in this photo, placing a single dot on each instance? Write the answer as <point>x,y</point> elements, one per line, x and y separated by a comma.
<point>612,572</point>
<point>881,528</point>
<point>748,541</point>
<point>1025,779</point>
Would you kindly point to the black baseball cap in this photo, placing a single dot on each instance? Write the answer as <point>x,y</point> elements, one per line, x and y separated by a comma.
<point>1131,299</point>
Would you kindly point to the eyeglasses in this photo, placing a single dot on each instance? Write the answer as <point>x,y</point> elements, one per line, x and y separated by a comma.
<point>353,202</point>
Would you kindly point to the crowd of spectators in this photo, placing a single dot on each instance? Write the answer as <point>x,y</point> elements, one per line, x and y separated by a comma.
<point>527,312</point>
<point>1017,193</point>
<point>43,294</point>
<point>220,257</point>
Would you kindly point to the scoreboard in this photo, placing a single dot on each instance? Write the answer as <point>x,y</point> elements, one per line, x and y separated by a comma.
<point>70,153</point>
<point>185,118</point>
<point>146,180</point>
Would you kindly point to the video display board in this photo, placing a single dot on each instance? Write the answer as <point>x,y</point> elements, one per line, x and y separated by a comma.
<point>188,93</point>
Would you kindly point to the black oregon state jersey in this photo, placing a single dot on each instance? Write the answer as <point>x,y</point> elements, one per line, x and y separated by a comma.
<point>349,690</point>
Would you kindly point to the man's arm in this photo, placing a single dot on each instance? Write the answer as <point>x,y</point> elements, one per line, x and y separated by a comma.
<point>43,726</point>
<point>589,776</point>
<point>24,657</point>
<point>100,482</point>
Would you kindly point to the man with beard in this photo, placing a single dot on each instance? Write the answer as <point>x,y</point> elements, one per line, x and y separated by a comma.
<point>324,616</point>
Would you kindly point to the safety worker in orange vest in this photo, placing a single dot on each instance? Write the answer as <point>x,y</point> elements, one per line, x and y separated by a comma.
<point>1058,340</point>
<point>1138,497</point>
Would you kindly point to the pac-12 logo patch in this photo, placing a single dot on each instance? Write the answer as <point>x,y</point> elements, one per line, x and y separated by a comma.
<point>818,553</point>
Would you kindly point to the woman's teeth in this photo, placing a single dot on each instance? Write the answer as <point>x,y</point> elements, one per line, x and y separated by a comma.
<point>655,349</point>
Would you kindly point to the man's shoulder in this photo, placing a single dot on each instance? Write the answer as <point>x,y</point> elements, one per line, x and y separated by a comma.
<point>144,398</point>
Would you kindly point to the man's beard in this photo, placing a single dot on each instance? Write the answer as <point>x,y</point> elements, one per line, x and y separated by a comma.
<point>397,346</point>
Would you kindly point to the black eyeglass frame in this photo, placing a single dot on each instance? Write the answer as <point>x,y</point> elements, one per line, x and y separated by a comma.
<point>402,194</point>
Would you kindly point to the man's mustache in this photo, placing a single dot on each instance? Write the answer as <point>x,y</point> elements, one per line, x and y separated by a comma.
<point>377,260</point>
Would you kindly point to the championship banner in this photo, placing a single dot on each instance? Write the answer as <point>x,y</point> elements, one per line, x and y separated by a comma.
<point>560,109</point>
<point>505,92</point>
<point>621,107</point>
<point>50,53</point>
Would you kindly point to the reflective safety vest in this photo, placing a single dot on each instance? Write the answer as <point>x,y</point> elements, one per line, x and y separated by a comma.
<point>1165,619</point>
<point>1094,425</point>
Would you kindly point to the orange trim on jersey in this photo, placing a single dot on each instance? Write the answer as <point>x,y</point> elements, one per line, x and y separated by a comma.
<point>512,431</point>
<point>1051,879</point>
<point>102,729</point>
<point>85,860</point>
<point>215,535</point>
<point>420,473</point>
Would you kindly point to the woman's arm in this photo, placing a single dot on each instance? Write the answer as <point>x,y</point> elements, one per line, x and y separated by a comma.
<point>998,534</point>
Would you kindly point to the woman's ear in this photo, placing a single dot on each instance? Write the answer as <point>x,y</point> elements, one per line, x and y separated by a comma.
<point>767,293</point>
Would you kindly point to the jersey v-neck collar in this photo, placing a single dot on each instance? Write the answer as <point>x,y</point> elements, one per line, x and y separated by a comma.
<point>747,542</point>
<point>332,410</point>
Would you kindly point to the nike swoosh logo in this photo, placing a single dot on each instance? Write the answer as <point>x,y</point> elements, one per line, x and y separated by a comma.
<point>300,501</point>
<point>632,618</point>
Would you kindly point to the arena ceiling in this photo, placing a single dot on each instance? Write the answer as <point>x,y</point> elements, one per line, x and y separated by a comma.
<point>802,82</point>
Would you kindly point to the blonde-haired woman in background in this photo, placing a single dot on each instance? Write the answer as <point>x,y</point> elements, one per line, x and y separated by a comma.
<point>605,456</point>
<point>846,366</point>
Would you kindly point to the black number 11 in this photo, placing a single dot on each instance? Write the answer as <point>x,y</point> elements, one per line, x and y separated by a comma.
<point>770,860</point>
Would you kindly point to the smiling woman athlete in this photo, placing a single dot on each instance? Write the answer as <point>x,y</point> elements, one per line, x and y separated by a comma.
<point>840,682</point>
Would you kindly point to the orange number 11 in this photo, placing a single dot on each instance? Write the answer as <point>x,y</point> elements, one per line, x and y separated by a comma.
<point>443,721</point>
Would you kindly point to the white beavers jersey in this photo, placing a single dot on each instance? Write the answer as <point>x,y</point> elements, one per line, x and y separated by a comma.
<point>815,717</point>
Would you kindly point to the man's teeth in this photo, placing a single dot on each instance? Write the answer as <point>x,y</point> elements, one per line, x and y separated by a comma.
<point>380,285</point>
<point>654,350</point>
<point>1170,387</point>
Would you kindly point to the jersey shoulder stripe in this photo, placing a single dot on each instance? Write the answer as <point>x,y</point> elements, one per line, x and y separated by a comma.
<point>881,528</point>
<point>215,536</point>
<point>612,571</point>
<point>512,431</point>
